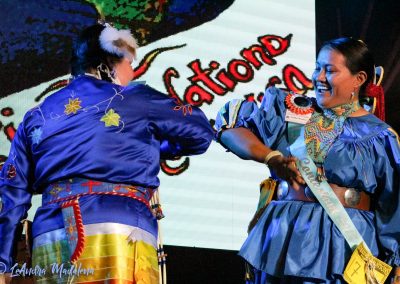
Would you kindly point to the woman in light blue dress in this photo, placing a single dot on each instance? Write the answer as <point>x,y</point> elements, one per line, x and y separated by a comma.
<point>295,241</point>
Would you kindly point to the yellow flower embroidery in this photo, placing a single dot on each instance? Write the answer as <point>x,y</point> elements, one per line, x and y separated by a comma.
<point>111,118</point>
<point>72,106</point>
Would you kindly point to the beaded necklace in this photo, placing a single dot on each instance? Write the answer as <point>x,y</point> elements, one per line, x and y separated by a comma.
<point>323,128</point>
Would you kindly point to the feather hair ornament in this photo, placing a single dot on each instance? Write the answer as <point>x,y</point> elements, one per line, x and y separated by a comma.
<point>119,42</point>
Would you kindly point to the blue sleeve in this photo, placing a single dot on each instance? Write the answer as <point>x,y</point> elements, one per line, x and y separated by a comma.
<point>233,114</point>
<point>182,129</point>
<point>15,194</point>
<point>267,122</point>
<point>388,203</point>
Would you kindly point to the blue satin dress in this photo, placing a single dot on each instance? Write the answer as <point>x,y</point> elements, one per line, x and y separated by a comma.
<point>296,241</point>
<point>97,135</point>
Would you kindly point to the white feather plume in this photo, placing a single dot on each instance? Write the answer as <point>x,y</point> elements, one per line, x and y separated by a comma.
<point>110,35</point>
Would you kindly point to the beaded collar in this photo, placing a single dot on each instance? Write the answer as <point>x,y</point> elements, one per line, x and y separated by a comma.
<point>323,128</point>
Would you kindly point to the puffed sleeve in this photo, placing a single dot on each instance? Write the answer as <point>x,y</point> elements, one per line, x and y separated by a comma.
<point>15,194</point>
<point>387,168</point>
<point>267,122</point>
<point>182,129</point>
<point>233,114</point>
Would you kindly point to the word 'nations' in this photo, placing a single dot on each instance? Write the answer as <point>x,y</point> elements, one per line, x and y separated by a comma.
<point>205,84</point>
<point>213,80</point>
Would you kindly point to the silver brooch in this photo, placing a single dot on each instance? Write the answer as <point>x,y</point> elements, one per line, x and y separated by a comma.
<point>352,197</point>
<point>282,190</point>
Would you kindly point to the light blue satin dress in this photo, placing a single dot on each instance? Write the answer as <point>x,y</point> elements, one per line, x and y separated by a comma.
<point>295,241</point>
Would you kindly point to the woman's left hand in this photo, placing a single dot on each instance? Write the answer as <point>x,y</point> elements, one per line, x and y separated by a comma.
<point>296,181</point>
<point>285,168</point>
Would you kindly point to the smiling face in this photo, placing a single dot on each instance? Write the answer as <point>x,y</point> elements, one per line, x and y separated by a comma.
<point>333,81</point>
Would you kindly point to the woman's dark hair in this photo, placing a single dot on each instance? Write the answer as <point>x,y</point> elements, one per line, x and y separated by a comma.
<point>87,53</point>
<point>357,55</point>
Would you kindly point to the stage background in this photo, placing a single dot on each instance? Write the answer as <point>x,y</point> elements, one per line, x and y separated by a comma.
<point>35,39</point>
<point>208,200</point>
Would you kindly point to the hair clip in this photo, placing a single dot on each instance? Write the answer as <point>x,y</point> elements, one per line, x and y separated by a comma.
<point>378,75</point>
<point>374,90</point>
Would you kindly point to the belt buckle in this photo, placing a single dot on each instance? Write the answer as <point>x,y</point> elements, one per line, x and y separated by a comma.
<point>352,197</point>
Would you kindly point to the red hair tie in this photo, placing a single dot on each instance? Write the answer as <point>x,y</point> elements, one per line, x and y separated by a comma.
<point>377,93</point>
<point>375,90</point>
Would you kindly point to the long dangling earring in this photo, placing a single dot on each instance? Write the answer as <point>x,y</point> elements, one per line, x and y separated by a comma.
<point>112,74</point>
<point>115,78</point>
<point>103,68</point>
<point>98,75</point>
<point>352,96</point>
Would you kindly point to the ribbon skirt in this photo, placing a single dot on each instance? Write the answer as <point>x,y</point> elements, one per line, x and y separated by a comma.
<point>112,253</point>
<point>95,237</point>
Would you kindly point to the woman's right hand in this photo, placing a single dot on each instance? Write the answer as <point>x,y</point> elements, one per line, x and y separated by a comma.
<point>285,168</point>
<point>5,278</point>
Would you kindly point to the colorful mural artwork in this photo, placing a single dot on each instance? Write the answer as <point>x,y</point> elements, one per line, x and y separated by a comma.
<point>199,52</point>
<point>37,36</point>
<point>52,38</point>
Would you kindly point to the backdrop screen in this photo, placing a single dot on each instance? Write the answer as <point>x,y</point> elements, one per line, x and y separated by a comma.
<point>205,55</point>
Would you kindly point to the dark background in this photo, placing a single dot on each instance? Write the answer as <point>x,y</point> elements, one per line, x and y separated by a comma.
<point>377,23</point>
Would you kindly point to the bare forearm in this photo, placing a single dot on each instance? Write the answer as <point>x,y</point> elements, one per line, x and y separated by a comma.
<point>245,144</point>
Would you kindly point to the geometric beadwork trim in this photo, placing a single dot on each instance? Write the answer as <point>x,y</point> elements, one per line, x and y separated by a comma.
<point>74,197</point>
<point>299,104</point>
<point>74,228</point>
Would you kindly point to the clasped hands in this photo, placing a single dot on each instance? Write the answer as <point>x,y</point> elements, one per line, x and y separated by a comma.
<point>286,169</point>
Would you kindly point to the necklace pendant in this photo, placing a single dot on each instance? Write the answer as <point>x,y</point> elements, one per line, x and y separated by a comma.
<point>321,174</point>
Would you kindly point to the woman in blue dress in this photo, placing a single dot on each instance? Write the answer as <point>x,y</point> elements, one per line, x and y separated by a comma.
<point>92,150</point>
<point>294,240</point>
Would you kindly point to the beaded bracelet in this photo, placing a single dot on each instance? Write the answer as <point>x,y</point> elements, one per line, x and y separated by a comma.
<point>271,155</point>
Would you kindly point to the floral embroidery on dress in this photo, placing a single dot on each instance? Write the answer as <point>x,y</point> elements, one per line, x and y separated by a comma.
<point>10,165</point>
<point>73,226</point>
<point>36,135</point>
<point>186,109</point>
<point>111,118</point>
<point>11,171</point>
<point>55,190</point>
<point>71,229</point>
<point>73,106</point>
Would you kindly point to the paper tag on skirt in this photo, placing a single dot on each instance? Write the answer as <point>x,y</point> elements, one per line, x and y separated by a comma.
<point>363,265</point>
